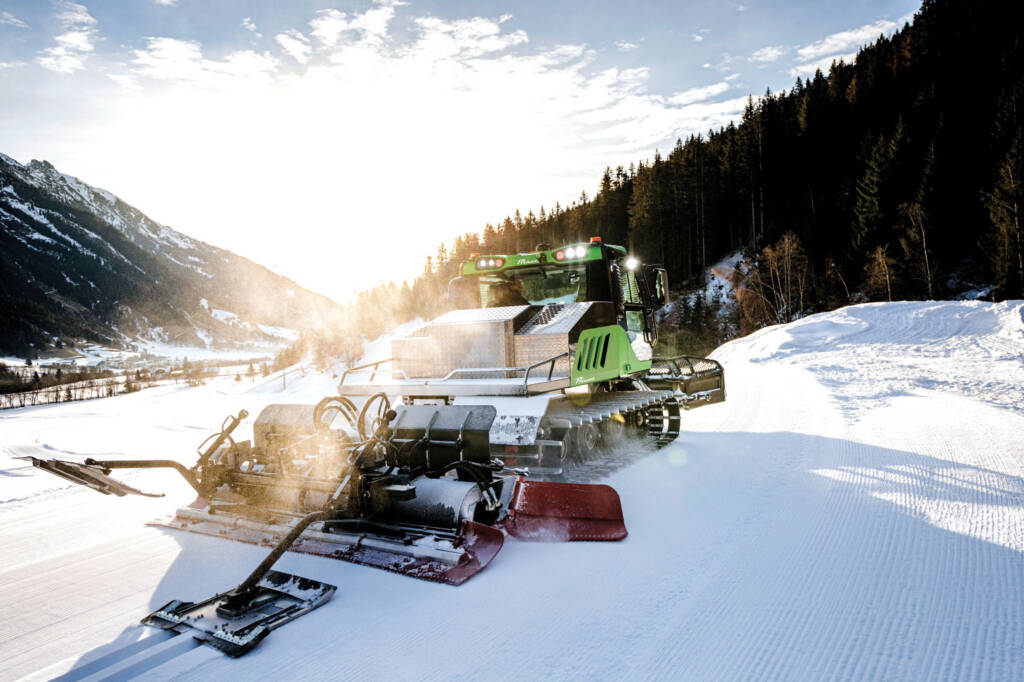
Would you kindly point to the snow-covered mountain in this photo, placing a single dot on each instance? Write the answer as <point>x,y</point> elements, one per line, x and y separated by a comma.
<point>79,264</point>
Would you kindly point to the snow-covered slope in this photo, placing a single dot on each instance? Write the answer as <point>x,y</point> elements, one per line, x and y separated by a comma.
<point>854,510</point>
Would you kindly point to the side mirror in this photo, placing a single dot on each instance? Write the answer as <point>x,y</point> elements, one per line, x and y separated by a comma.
<point>657,284</point>
<point>661,286</point>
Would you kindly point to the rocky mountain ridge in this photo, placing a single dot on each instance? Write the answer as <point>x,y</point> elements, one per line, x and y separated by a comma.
<point>80,265</point>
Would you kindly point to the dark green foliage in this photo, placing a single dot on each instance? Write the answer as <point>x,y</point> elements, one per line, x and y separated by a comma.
<point>15,381</point>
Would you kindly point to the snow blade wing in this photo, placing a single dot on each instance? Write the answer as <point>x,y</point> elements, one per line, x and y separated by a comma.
<point>451,561</point>
<point>473,548</point>
<point>91,476</point>
<point>277,599</point>
<point>542,511</point>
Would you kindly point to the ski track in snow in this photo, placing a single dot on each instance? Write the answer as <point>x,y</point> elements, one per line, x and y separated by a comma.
<point>854,510</point>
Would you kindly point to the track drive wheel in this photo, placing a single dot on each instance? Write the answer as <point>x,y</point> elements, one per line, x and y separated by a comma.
<point>586,442</point>
<point>663,421</point>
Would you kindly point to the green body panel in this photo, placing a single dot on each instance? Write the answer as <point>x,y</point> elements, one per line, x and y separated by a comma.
<point>602,354</point>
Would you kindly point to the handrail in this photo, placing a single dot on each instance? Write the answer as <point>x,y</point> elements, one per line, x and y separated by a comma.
<point>374,365</point>
<point>479,370</point>
<point>551,370</point>
<point>526,370</point>
<point>372,369</point>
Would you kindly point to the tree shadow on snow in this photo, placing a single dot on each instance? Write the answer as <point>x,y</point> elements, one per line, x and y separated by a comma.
<point>859,561</point>
<point>764,555</point>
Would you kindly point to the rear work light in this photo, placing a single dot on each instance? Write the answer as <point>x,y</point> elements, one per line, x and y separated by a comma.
<point>486,263</point>
<point>559,255</point>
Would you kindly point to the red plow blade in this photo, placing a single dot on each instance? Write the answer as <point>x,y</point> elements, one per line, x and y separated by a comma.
<point>542,511</point>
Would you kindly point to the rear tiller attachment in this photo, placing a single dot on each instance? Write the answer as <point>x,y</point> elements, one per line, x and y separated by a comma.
<point>411,489</point>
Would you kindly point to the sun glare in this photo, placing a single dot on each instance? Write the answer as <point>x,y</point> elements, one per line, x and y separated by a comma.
<point>351,142</point>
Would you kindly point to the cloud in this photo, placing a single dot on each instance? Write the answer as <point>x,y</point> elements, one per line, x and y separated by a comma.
<point>330,25</point>
<point>73,14</point>
<point>825,63</point>
<point>463,38</point>
<point>849,41</point>
<point>8,19</point>
<point>74,44</point>
<point>625,46</point>
<point>725,63</point>
<point>700,94</point>
<point>767,54</point>
<point>705,116</point>
<point>295,44</point>
<point>249,26</point>
<point>425,102</point>
<point>166,3</point>
<point>841,46</point>
<point>699,35</point>
<point>742,8</point>
<point>11,65</point>
<point>170,59</point>
<point>126,81</point>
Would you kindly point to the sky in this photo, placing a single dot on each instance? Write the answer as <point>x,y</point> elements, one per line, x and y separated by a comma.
<point>339,143</point>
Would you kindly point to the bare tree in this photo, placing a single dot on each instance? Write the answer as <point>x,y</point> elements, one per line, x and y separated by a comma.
<point>878,273</point>
<point>775,286</point>
<point>915,242</point>
<point>1005,203</point>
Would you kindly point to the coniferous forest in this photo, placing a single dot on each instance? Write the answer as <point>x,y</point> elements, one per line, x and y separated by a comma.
<point>899,176</point>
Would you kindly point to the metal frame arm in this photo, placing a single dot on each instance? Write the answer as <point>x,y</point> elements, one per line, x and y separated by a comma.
<point>188,475</point>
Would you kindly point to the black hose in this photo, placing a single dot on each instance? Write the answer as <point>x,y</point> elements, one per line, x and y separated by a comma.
<point>383,405</point>
<point>339,403</point>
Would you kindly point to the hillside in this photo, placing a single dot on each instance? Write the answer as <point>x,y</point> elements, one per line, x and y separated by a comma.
<point>81,265</point>
<point>854,510</point>
<point>900,176</point>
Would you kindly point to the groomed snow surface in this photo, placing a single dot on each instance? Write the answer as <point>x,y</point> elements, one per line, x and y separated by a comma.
<point>854,510</point>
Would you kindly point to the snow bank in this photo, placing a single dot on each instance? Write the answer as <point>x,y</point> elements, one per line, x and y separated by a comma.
<point>879,350</point>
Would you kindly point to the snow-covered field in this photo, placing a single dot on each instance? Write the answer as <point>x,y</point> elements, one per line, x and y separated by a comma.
<point>854,510</point>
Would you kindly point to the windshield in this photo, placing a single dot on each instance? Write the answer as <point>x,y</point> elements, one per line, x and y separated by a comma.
<point>534,286</point>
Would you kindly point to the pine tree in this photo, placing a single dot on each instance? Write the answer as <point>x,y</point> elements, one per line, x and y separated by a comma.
<point>1005,202</point>
<point>871,208</point>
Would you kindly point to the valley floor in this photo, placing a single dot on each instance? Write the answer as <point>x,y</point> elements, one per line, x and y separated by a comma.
<point>854,510</point>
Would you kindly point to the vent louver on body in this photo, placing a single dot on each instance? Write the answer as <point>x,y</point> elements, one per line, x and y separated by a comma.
<point>593,353</point>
